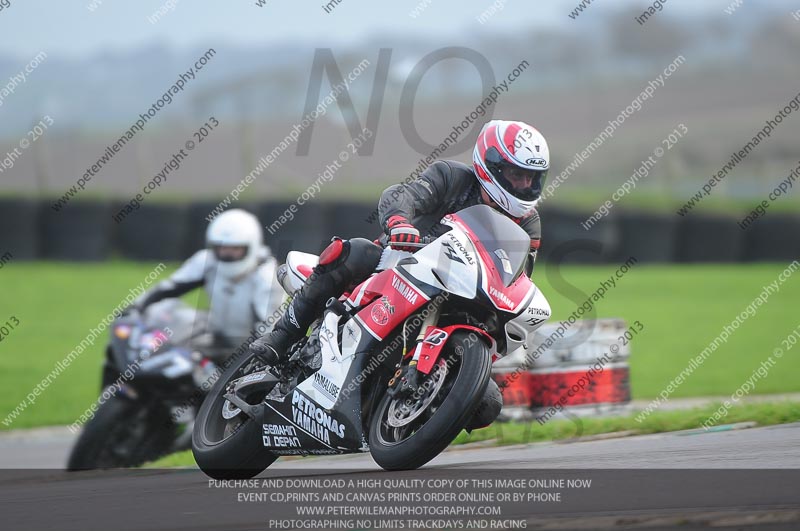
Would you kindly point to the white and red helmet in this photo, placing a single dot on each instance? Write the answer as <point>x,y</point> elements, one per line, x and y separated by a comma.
<point>506,147</point>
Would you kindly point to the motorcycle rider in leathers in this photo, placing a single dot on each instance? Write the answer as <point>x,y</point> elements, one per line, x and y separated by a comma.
<point>509,165</point>
<point>238,273</point>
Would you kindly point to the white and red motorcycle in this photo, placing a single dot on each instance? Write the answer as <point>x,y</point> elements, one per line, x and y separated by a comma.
<point>396,367</point>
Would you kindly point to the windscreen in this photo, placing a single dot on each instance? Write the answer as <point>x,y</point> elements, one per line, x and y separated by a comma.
<point>507,244</point>
<point>183,320</point>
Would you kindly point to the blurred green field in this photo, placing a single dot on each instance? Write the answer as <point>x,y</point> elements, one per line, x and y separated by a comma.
<point>682,309</point>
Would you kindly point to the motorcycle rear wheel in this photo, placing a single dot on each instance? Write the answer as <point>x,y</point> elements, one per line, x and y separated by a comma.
<point>229,448</point>
<point>466,363</point>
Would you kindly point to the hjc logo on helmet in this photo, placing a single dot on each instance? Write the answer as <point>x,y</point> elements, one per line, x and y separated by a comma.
<point>536,162</point>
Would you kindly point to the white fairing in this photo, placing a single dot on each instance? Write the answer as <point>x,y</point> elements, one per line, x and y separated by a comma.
<point>289,274</point>
<point>520,330</point>
<point>454,260</point>
<point>325,386</point>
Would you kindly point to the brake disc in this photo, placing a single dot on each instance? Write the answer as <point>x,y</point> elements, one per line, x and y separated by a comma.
<point>400,414</point>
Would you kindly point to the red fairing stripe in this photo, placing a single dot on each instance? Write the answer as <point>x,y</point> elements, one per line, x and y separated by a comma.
<point>510,298</point>
<point>357,297</point>
<point>395,299</point>
<point>304,270</point>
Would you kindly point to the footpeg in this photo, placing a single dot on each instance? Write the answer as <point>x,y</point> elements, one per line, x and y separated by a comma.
<point>336,306</point>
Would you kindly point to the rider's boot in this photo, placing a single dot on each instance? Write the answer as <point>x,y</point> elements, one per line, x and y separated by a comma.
<point>342,263</point>
<point>488,409</point>
<point>292,325</point>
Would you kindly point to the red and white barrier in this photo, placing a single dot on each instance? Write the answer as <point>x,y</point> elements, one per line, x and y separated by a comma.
<point>586,372</point>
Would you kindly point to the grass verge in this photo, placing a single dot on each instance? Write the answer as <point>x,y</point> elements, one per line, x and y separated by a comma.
<point>681,307</point>
<point>763,414</point>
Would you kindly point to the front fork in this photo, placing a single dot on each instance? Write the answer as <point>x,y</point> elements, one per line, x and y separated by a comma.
<point>406,377</point>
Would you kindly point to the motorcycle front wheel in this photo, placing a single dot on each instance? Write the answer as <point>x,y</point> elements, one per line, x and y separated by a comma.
<point>408,431</point>
<point>123,433</point>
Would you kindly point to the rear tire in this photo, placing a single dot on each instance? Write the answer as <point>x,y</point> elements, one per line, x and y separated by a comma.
<point>447,420</point>
<point>238,455</point>
<point>122,433</point>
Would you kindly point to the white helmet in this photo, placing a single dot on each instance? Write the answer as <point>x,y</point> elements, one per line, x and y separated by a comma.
<point>235,238</point>
<point>511,160</point>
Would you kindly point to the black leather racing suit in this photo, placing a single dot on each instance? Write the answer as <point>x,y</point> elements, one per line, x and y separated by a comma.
<point>446,186</point>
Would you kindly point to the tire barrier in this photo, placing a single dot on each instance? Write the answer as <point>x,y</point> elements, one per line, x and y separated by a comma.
<point>85,230</point>
<point>81,231</point>
<point>648,237</point>
<point>776,237</point>
<point>155,232</point>
<point>19,228</point>
<point>586,371</point>
<point>703,238</point>
<point>538,390</point>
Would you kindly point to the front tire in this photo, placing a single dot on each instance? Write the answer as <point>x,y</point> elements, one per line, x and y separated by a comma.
<point>229,448</point>
<point>456,399</point>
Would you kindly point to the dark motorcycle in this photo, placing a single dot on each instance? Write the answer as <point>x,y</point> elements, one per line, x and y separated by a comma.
<point>151,387</point>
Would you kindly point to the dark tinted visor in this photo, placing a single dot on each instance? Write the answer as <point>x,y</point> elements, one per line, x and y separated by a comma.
<point>229,253</point>
<point>522,183</point>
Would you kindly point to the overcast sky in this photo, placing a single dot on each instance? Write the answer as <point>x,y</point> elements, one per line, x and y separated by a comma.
<point>69,27</point>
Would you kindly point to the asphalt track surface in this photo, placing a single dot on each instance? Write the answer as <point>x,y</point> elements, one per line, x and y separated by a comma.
<point>49,447</point>
<point>738,479</point>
